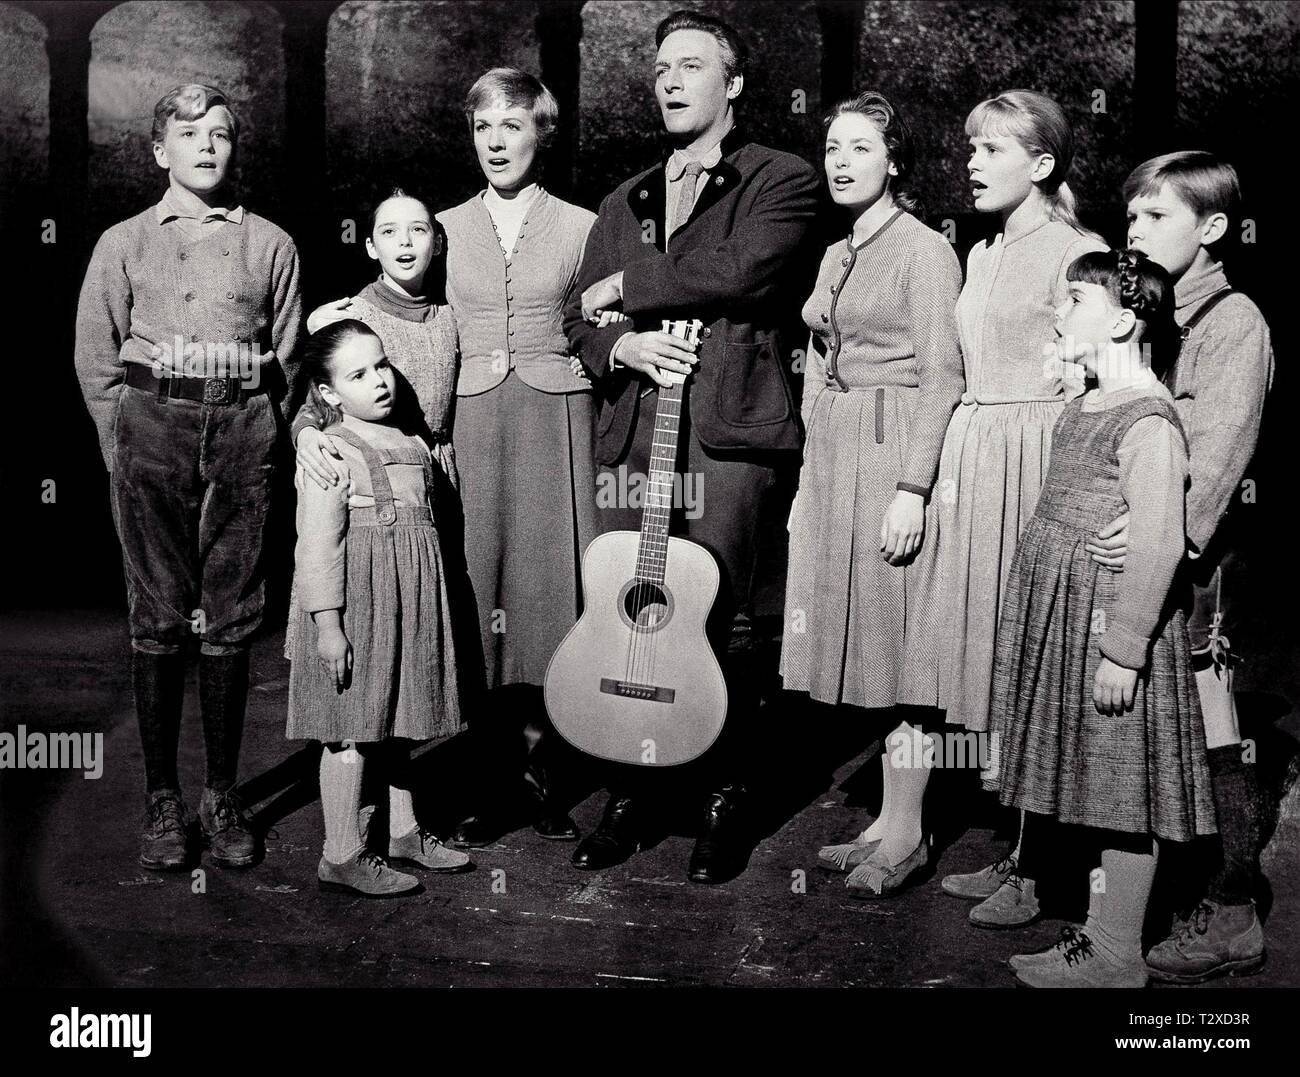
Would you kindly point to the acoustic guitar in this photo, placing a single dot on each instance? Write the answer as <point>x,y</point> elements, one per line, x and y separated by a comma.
<point>635,680</point>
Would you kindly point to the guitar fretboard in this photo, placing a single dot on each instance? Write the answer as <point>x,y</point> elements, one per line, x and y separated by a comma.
<point>652,551</point>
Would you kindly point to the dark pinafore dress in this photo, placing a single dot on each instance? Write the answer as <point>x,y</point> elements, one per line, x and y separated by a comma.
<point>1144,771</point>
<point>396,616</point>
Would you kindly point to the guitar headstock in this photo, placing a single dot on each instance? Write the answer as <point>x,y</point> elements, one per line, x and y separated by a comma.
<point>688,329</point>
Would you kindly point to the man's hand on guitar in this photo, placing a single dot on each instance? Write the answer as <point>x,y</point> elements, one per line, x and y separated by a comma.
<point>663,357</point>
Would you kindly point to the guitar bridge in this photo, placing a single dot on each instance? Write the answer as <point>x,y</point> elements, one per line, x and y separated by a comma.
<point>632,690</point>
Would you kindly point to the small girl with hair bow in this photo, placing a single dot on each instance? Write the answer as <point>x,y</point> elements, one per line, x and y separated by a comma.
<point>1096,719</point>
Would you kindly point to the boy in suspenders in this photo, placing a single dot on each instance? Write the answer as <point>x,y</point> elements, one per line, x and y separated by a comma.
<point>1180,206</point>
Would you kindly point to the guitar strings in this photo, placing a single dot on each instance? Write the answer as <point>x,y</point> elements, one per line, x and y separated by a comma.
<point>642,657</point>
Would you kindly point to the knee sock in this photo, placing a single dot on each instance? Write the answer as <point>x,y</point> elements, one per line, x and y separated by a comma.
<point>1115,914</point>
<point>340,798</point>
<point>158,681</point>
<point>223,697</point>
<point>906,747</point>
<point>876,831</point>
<point>1237,807</point>
<point>401,812</point>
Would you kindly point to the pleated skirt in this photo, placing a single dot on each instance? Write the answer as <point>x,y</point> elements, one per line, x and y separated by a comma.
<point>991,472</point>
<point>528,483</point>
<point>398,621</point>
<point>857,629</point>
<point>1143,771</point>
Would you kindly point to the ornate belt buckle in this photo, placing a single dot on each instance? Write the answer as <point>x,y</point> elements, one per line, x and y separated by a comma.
<point>216,391</point>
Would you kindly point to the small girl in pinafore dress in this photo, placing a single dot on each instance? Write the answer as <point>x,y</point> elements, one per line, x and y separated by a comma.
<point>373,658</point>
<point>1095,718</point>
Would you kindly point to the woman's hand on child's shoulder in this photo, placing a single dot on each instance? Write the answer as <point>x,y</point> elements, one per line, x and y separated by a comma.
<point>329,312</point>
<point>314,452</point>
<point>1113,688</point>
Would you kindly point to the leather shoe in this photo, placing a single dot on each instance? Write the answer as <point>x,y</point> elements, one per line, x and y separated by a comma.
<point>550,821</point>
<point>554,825</point>
<point>613,841</point>
<point>720,852</point>
<point>477,831</point>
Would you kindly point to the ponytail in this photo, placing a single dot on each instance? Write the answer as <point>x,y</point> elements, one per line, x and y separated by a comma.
<point>1040,125</point>
<point>1061,207</point>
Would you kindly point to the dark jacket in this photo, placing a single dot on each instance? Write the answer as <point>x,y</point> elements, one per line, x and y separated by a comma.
<point>740,264</point>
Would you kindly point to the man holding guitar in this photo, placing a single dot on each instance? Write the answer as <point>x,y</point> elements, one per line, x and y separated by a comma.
<point>715,234</point>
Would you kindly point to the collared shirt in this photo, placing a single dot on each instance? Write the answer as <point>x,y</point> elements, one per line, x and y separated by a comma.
<point>195,221</point>
<point>676,167</point>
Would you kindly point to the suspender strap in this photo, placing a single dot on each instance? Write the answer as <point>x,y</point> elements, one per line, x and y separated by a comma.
<point>385,512</point>
<point>1204,309</point>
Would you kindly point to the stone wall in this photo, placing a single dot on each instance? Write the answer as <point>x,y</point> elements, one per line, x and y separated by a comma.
<point>24,106</point>
<point>140,50</point>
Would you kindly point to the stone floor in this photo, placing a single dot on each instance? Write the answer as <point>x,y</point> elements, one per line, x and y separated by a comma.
<point>78,911</point>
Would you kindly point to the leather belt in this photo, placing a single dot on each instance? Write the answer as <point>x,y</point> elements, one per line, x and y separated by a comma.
<point>180,387</point>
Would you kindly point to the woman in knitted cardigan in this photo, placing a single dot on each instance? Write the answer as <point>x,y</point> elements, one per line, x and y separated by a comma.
<point>884,374</point>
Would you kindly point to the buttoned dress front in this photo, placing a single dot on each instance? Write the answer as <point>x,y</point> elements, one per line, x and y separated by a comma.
<point>857,629</point>
<point>523,430</point>
<point>998,445</point>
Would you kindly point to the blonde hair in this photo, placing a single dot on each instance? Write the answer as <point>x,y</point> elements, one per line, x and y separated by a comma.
<point>515,89</point>
<point>190,102</point>
<point>1040,125</point>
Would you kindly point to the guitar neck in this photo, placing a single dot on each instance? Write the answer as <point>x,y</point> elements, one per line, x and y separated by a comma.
<point>652,551</point>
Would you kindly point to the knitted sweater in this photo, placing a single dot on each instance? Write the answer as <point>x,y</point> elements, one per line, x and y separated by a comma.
<point>884,313</point>
<point>419,339</point>
<point>509,312</point>
<point>1223,372</point>
<point>150,286</point>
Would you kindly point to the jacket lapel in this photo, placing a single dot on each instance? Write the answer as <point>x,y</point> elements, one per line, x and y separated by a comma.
<point>722,179</point>
<point>646,200</point>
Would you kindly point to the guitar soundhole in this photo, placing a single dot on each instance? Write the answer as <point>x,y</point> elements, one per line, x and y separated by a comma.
<point>646,605</point>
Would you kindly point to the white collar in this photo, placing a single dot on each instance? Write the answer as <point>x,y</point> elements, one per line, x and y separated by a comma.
<point>508,206</point>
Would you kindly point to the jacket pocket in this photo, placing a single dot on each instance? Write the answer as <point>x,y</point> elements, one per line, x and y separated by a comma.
<point>753,390</point>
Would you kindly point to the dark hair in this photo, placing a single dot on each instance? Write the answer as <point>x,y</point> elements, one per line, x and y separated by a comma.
<point>189,102</point>
<point>317,359</point>
<point>897,137</point>
<point>372,215</point>
<point>515,89</point>
<point>734,54</point>
<point>1134,282</point>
